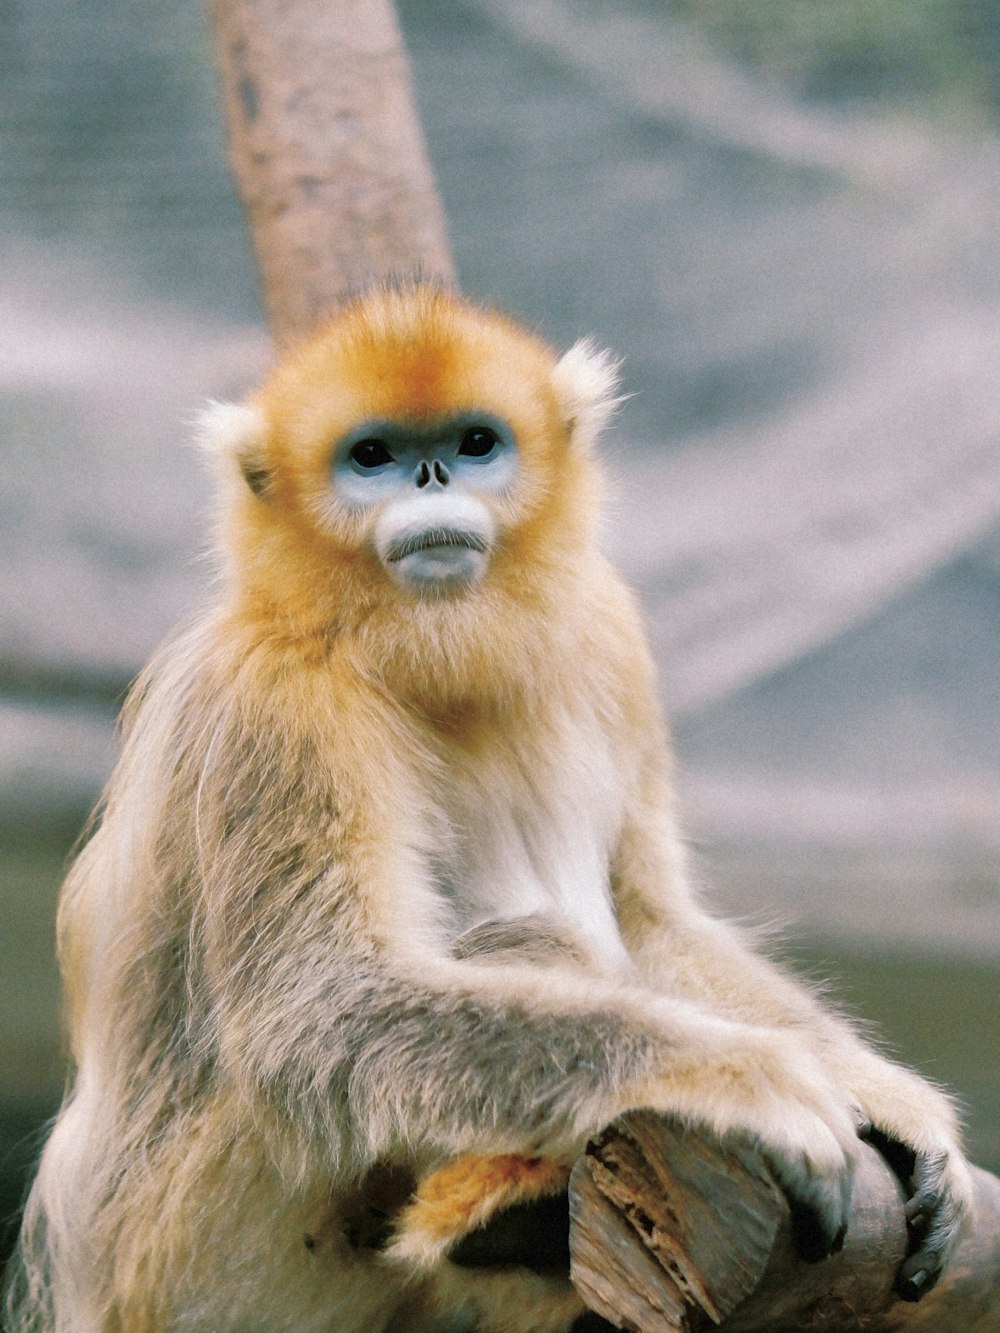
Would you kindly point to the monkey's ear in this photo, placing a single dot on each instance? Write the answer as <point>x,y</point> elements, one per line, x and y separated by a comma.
<point>585,381</point>
<point>237,432</point>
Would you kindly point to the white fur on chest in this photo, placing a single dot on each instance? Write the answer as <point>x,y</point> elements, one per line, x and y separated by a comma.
<point>530,838</point>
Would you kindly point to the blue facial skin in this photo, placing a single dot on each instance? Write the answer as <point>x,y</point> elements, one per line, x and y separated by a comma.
<point>383,460</point>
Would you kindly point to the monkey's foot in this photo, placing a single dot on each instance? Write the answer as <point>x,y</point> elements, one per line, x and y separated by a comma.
<point>449,1214</point>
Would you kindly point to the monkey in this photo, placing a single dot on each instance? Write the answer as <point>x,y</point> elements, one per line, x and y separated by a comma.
<point>386,908</point>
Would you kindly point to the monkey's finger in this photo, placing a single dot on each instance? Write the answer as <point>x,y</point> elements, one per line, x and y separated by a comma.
<point>819,1225</point>
<point>898,1156</point>
<point>917,1276</point>
<point>933,1217</point>
<point>862,1123</point>
<point>820,1205</point>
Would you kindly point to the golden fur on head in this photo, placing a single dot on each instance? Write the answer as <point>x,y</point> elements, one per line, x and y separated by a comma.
<point>402,354</point>
<point>387,893</point>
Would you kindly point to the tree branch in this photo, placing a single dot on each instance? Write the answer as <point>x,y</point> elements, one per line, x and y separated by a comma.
<point>327,151</point>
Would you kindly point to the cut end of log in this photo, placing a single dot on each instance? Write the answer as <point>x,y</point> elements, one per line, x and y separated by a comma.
<point>694,1220</point>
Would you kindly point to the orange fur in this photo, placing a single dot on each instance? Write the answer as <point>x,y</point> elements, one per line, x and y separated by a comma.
<point>439,356</point>
<point>464,1193</point>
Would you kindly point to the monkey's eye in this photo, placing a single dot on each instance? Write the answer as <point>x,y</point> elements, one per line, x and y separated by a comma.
<point>478,442</point>
<point>370,454</point>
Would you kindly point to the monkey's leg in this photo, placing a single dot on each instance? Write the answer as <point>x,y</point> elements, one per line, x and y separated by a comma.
<point>483,1210</point>
<point>491,1234</point>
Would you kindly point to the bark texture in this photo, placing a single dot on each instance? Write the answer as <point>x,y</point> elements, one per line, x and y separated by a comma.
<point>327,152</point>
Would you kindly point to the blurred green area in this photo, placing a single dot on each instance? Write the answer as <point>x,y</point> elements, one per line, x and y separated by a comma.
<point>935,55</point>
<point>937,1015</point>
<point>31,869</point>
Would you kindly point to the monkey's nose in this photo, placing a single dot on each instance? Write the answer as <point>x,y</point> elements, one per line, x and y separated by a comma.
<point>427,473</point>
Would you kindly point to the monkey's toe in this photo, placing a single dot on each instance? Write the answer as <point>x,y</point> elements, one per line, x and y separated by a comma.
<point>813,1233</point>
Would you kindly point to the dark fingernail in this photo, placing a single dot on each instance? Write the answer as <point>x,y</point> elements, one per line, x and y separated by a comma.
<point>913,1287</point>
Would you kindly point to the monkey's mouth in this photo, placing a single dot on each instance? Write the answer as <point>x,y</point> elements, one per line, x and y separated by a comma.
<point>435,539</point>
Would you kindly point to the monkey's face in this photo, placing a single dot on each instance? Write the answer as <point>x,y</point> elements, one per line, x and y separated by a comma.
<point>416,447</point>
<point>429,488</point>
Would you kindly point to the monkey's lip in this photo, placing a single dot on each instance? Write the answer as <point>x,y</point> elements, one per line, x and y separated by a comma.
<point>435,539</point>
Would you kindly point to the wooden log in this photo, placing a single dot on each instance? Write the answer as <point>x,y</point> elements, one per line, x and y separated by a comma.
<point>675,1232</point>
<point>327,152</point>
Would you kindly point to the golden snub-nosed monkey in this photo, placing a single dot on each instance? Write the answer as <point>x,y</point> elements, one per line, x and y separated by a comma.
<point>385,911</point>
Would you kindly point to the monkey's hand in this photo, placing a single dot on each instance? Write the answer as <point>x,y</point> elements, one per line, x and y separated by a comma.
<point>767,1083</point>
<point>914,1126</point>
<point>935,1210</point>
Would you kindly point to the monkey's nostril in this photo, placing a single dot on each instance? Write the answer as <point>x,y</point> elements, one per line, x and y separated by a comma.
<point>441,473</point>
<point>423,473</point>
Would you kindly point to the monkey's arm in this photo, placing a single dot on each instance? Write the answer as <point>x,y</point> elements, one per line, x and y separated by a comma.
<point>450,1057</point>
<point>351,1049</point>
<point>682,950</point>
<point>348,1028</point>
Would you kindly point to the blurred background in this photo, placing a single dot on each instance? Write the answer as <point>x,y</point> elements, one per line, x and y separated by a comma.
<point>785,217</point>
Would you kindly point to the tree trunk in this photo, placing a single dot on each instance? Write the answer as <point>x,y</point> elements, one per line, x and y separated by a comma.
<point>327,152</point>
<point>673,1231</point>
